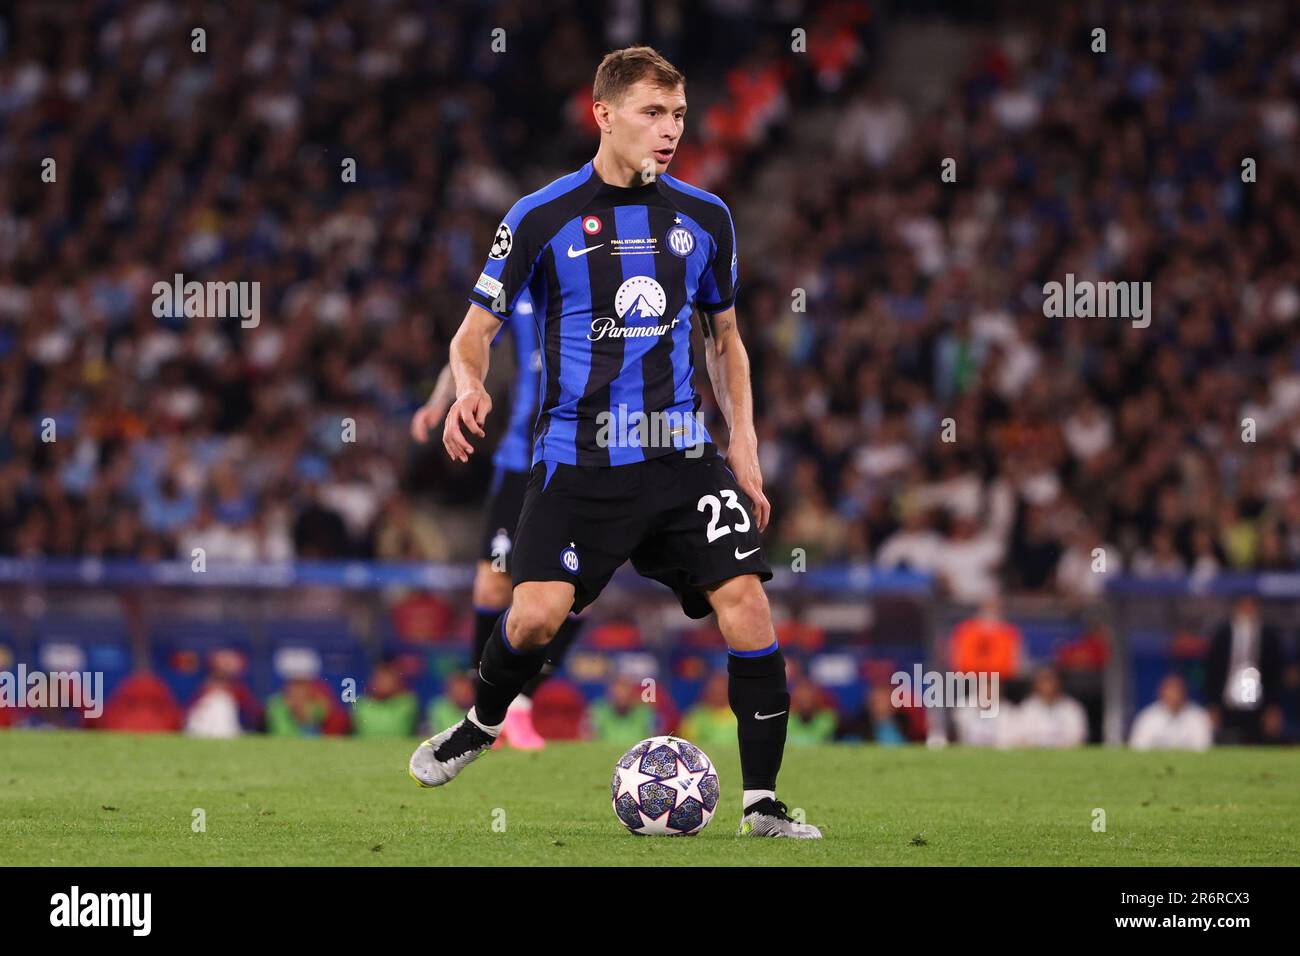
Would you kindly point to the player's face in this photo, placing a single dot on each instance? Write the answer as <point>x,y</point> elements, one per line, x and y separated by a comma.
<point>647,125</point>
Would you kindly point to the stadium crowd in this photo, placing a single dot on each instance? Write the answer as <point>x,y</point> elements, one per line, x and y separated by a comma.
<point>923,297</point>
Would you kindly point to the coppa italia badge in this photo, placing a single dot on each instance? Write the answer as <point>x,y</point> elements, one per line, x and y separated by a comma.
<point>591,225</point>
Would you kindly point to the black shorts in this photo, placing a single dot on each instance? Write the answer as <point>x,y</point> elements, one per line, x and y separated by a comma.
<point>682,521</point>
<point>505,501</point>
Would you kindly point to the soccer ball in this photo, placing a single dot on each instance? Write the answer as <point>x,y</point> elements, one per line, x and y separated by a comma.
<point>664,786</point>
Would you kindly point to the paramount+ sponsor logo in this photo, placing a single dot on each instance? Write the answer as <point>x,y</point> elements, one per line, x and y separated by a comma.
<point>640,303</point>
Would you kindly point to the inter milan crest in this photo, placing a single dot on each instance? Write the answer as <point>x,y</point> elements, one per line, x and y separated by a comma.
<point>569,558</point>
<point>680,241</point>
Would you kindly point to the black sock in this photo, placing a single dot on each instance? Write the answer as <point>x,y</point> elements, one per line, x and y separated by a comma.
<point>484,621</point>
<point>555,652</point>
<point>502,672</point>
<point>757,691</point>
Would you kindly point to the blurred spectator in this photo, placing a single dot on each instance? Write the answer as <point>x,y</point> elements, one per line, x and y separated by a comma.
<point>223,706</point>
<point>421,618</point>
<point>967,563</point>
<point>877,721</point>
<point>1047,717</point>
<point>915,546</point>
<point>710,723</point>
<point>1081,663</point>
<point>409,534</point>
<point>214,714</point>
<point>141,704</point>
<point>1243,677</point>
<point>1084,566</point>
<point>811,721</point>
<point>1171,722</point>
<point>621,716</point>
<point>991,726</point>
<point>559,713</point>
<point>387,709</point>
<point>305,707</point>
<point>453,704</point>
<point>986,643</point>
<point>319,532</point>
<point>1087,653</point>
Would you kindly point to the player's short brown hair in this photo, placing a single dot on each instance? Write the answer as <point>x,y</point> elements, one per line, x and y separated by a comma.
<point>622,69</point>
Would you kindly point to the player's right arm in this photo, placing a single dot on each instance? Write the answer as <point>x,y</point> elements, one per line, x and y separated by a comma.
<point>470,348</point>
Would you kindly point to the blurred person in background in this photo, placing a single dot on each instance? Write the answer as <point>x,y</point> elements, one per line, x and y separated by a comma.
<point>811,721</point>
<point>621,716</point>
<point>986,643</point>
<point>991,726</point>
<point>1082,662</point>
<point>1171,721</point>
<point>968,561</point>
<point>914,546</point>
<point>1243,677</point>
<point>304,707</point>
<point>223,706</point>
<point>1047,717</point>
<point>404,533</point>
<point>877,721</point>
<point>141,704</point>
<point>1082,571</point>
<point>457,697</point>
<point>387,709</point>
<point>709,722</point>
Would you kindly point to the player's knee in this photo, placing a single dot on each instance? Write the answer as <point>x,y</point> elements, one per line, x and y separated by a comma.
<point>743,602</point>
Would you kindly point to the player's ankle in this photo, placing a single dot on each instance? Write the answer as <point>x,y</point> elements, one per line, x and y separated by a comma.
<point>491,729</point>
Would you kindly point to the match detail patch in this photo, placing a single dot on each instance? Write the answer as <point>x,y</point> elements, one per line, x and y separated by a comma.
<point>489,286</point>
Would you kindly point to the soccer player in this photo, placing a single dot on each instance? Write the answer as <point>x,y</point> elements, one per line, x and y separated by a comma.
<point>513,458</point>
<point>616,257</point>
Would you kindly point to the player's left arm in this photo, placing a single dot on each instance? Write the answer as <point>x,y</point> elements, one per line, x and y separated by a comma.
<point>432,412</point>
<point>728,365</point>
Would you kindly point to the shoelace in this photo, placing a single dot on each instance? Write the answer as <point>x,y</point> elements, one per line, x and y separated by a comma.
<point>782,811</point>
<point>461,742</point>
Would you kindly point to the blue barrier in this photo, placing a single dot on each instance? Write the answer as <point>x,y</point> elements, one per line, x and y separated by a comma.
<point>1265,584</point>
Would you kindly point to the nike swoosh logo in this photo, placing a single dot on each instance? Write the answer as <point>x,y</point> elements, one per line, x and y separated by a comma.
<point>740,556</point>
<point>574,253</point>
<point>758,716</point>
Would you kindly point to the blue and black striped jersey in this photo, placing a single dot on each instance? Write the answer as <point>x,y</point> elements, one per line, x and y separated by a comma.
<point>613,274</point>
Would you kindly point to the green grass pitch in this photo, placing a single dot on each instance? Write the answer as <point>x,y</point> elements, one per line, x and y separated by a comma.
<point>77,799</point>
